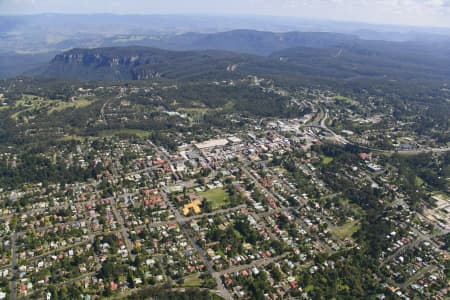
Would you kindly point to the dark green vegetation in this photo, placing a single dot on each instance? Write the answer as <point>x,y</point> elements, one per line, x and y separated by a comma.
<point>33,167</point>
<point>419,175</point>
<point>165,293</point>
<point>422,174</point>
<point>41,110</point>
<point>56,131</point>
<point>324,55</point>
<point>348,61</point>
<point>321,54</point>
<point>357,270</point>
<point>135,63</point>
<point>369,59</point>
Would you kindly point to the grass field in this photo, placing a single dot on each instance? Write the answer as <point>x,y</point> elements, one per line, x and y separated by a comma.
<point>29,100</point>
<point>281,170</point>
<point>192,281</point>
<point>356,210</point>
<point>345,99</point>
<point>30,103</point>
<point>60,106</point>
<point>192,110</point>
<point>346,230</point>
<point>419,181</point>
<point>326,159</point>
<point>136,132</point>
<point>228,106</point>
<point>73,138</point>
<point>309,288</point>
<point>201,109</point>
<point>36,104</point>
<point>218,197</point>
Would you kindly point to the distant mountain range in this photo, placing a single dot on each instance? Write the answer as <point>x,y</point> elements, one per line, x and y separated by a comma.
<point>31,40</point>
<point>241,41</point>
<point>243,52</point>
<point>389,60</point>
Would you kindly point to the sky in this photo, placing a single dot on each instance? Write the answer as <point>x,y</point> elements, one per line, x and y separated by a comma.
<point>434,13</point>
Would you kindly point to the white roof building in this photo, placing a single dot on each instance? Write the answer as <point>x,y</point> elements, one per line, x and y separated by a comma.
<point>212,144</point>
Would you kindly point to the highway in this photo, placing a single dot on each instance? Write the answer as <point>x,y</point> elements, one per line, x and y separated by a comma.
<point>320,122</point>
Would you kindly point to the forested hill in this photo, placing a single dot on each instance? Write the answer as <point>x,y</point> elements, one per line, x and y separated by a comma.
<point>347,60</point>
<point>136,63</point>
<point>391,60</point>
<point>239,41</point>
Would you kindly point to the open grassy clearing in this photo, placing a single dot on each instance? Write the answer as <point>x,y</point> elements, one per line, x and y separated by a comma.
<point>346,230</point>
<point>228,106</point>
<point>345,99</point>
<point>136,132</point>
<point>28,100</point>
<point>35,104</point>
<point>419,181</point>
<point>31,103</point>
<point>192,110</point>
<point>217,197</point>
<point>192,281</point>
<point>60,106</point>
<point>356,210</point>
<point>326,159</point>
<point>74,138</point>
<point>202,109</point>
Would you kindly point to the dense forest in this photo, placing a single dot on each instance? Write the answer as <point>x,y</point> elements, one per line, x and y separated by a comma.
<point>166,294</point>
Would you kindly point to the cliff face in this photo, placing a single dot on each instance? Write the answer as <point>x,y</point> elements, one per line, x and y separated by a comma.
<point>350,60</point>
<point>138,63</point>
<point>99,59</point>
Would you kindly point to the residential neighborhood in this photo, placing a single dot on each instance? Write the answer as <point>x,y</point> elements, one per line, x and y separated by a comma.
<point>244,213</point>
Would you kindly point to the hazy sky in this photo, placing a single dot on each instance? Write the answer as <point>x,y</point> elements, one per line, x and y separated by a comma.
<point>412,12</point>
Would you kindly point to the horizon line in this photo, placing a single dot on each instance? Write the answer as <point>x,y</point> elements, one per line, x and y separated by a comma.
<point>260,16</point>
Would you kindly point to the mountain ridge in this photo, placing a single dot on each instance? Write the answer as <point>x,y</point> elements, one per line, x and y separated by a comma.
<point>136,63</point>
<point>338,57</point>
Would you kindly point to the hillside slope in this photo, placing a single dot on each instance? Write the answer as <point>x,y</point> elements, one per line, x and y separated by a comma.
<point>353,59</point>
<point>137,63</point>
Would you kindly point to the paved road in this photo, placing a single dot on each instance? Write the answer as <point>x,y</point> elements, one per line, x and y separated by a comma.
<point>401,250</point>
<point>256,263</point>
<point>264,227</point>
<point>45,228</point>
<point>323,114</point>
<point>221,290</point>
<point>102,112</point>
<point>123,229</point>
<point>35,211</point>
<point>13,283</point>
<point>282,208</point>
<point>261,187</point>
<point>60,249</point>
<point>216,212</point>
<point>417,276</point>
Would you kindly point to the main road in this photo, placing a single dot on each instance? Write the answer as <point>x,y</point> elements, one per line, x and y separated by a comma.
<point>340,139</point>
<point>13,283</point>
<point>221,290</point>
